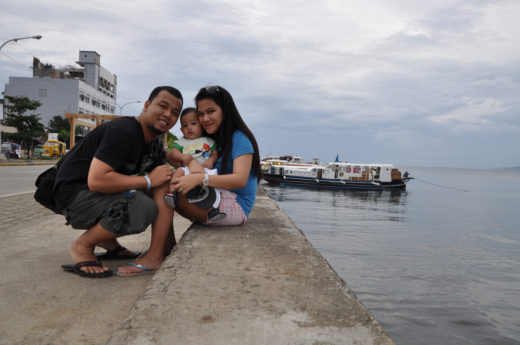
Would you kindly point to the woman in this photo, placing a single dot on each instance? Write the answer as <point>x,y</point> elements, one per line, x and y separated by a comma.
<point>238,163</point>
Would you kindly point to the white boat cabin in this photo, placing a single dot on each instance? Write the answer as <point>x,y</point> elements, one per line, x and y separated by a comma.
<point>341,171</point>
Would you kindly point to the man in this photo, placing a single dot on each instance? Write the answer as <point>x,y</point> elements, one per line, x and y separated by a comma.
<point>102,186</point>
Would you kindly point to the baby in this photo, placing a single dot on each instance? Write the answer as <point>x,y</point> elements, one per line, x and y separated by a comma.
<point>198,154</point>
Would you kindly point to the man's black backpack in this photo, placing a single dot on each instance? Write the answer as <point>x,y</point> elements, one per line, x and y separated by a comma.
<point>45,188</point>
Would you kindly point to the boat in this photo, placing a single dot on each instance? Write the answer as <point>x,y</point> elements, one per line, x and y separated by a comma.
<point>334,175</point>
<point>283,160</point>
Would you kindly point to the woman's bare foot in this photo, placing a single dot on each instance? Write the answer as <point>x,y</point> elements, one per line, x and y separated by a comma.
<point>147,262</point>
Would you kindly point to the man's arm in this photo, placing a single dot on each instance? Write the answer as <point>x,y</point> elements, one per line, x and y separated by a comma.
<point>104,179</point>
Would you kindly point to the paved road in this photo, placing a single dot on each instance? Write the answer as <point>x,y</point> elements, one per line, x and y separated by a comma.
<point>19,179</point>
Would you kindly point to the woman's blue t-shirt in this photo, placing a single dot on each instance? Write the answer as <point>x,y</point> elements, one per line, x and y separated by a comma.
<point>245,196</point>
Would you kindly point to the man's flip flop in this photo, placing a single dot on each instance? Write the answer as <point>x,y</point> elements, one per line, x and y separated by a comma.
<point>76,269</point>
<point>144,270</point>
<point>116,254</point>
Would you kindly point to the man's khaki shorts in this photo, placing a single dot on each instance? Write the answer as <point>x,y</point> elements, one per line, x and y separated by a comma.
<point>125,213</point>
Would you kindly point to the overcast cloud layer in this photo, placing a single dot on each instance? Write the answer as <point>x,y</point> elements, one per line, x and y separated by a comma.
<point>403,81</point>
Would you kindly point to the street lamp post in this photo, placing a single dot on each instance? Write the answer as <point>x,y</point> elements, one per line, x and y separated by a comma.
<point>36,37</point>
<point>122,106</point>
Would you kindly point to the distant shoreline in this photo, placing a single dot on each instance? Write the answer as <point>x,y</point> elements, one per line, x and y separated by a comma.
<point>517,168</point>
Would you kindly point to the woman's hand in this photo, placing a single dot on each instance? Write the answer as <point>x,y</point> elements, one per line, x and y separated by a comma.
<point>186,183</point>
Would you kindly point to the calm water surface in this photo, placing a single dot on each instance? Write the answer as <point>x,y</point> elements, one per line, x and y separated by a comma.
<point>438,263</point>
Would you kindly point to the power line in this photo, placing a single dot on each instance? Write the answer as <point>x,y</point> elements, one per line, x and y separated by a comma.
<point>15,61</point>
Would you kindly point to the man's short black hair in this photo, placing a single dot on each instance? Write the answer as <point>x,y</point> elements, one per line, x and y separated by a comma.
<point>173,91</point>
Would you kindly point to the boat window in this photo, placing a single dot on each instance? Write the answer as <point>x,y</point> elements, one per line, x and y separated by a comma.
<point>365,168</point>
<point>349,168</point>
<point>357,169</point>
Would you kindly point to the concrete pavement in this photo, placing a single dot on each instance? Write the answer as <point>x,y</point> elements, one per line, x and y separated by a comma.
<point>41,304</point>
<point>262,283</point>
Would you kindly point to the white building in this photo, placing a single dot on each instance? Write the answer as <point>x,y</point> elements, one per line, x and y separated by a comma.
<point>84,89</point>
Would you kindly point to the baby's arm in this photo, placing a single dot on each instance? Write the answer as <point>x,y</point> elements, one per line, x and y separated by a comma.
<point>210,162</point>
<point>175,156</point>
<point>195,167</point>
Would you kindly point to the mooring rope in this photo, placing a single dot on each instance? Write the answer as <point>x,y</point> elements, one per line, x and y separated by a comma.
<point>441,186</point>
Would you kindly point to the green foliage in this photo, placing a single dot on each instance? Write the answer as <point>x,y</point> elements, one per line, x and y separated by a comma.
<point>170,140</point>
<point>59,123</point>
<point>19,105</point>
<point>28,126</point>
<point>64,135</point>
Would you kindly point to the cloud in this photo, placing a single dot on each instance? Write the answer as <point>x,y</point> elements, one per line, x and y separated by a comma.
<point>373,79</point>
<point>473,115</point>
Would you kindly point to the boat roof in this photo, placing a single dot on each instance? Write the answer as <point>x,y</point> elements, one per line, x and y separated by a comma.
<point>362,164</point>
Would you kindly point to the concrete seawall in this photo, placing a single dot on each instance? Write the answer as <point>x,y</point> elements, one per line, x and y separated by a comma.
<point>262,283</point>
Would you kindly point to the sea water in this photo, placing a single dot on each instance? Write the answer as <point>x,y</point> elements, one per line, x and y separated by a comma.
<point>438,263</point>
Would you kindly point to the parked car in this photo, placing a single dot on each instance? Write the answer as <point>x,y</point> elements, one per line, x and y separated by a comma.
<point>11,150</point>
<point>54,148</point>
<point>38,151</point>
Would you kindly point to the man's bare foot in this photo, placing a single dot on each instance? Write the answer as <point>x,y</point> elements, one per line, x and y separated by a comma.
<point>81,252</point>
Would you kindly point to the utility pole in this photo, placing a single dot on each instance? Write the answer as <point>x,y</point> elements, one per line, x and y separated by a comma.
<point>37,37</point>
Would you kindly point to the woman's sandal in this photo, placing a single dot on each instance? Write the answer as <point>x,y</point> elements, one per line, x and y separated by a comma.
<point>144,270</point>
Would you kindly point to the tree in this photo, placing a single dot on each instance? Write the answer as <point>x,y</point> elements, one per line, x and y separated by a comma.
<point>59,124</point>
<point>171,138</point>
<point>28,126</point>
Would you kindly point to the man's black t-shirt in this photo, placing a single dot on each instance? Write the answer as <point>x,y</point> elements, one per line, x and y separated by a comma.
<point>119,143</point>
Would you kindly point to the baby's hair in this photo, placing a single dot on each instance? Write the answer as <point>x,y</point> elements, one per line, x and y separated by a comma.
<point>187,110</point>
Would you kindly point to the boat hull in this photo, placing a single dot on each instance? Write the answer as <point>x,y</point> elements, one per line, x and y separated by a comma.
<point>309,182</point>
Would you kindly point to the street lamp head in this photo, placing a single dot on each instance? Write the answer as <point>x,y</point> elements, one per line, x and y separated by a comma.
<point>37,37</point>
<point>125,104</point>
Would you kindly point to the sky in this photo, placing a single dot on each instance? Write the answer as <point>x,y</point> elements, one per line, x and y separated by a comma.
<point>405,82</point>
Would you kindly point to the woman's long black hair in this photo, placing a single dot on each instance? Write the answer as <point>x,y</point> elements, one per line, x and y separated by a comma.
<point>231,121</point>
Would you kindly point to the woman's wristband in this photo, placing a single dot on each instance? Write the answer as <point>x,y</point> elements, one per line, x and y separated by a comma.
<point>148,181</point>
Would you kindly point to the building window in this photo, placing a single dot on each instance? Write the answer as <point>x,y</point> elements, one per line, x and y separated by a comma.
<point>84,98</point>
<point>42,92</point>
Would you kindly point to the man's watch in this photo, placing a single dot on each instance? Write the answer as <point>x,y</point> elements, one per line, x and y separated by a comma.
<point>205,180</point>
